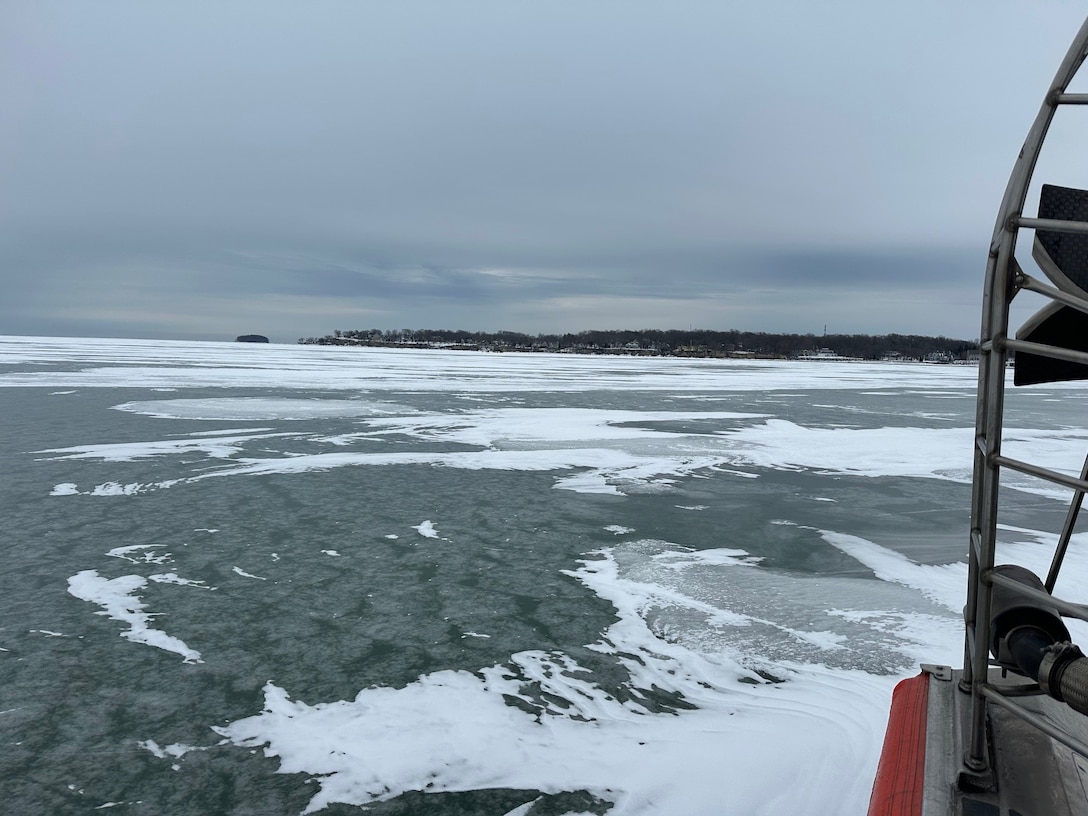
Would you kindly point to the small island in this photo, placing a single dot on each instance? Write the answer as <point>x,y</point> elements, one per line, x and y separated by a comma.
<point>250,338</point>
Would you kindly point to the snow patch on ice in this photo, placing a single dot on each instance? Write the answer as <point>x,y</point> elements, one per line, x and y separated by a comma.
<point>244,574</point>
<point>220,447</point>
<point>681,559</point>
<point>612,452</point>
<point>119,602</point>
<point>149,554</point>
<point>175,750</point>
<point>115,489</point>
<point>174,578</point>
<point>259,408</point>
<point>426,529</point>
<point>944,583</point>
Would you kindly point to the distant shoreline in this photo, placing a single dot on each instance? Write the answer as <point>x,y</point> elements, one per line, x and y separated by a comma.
<point>674,343</point>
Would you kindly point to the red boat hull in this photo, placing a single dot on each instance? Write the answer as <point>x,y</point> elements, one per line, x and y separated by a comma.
<point>900,776</point>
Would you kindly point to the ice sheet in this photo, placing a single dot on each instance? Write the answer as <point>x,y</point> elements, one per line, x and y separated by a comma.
<point>601,451</point>
<point>692,623</point>
<point>611,451</point>
<point>168,364</point>
<point>453,730</point>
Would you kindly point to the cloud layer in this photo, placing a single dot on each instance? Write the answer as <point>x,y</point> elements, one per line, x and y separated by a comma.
<point>195,170</point>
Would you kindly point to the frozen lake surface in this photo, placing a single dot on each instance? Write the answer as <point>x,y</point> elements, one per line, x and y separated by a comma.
<point>262,579</point>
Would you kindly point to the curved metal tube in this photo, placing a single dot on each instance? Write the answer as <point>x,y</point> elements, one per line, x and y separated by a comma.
<point>1001,270</point>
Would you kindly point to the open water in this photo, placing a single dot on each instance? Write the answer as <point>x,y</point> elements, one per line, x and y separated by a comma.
<point>250,579</point>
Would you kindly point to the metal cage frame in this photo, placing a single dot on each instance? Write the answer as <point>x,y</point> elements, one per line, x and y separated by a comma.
<point>1004,278</point>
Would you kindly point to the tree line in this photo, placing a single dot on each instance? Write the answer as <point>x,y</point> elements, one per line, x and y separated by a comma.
<point>674,342</point>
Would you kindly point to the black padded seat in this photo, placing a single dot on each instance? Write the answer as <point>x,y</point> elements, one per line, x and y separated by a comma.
<point>1053,325</point>
<point>1063,256</point>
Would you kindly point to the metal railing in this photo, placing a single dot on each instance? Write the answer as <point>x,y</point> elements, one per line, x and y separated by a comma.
<point>1004,279</point>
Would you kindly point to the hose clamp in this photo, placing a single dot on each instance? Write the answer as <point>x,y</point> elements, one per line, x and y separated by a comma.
<point>1055,660</point>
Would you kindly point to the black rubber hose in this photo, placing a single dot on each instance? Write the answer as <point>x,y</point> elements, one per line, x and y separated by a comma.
<point>1063,668</point>
<point>1027,645</point>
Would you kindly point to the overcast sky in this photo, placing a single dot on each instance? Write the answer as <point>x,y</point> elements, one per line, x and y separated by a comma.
<point>207,169</point>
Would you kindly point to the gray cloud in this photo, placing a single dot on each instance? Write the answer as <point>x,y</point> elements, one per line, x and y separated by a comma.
<point>200,169</point>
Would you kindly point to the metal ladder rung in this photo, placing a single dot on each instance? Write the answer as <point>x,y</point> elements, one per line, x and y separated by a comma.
<point>1043,350</point>
<point>1052,224</point>
<point>1041,472</point>
<point>1067,608</point>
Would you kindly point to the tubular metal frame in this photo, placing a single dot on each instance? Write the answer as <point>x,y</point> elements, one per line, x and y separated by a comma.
<point>1004,279</point>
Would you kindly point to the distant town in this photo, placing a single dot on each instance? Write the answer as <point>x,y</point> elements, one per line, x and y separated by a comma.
<point>673,343</point>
